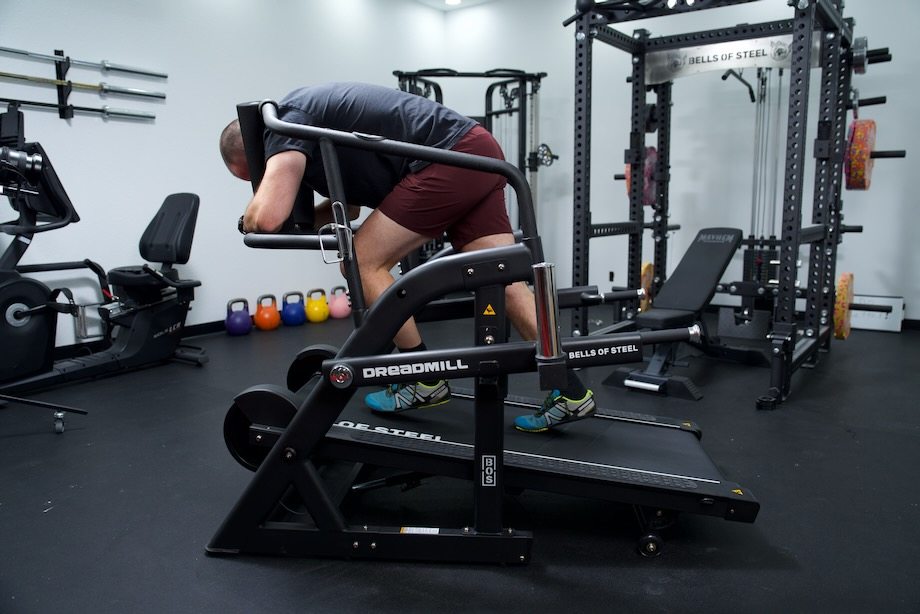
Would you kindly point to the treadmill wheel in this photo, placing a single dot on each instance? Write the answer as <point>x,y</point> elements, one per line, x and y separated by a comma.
<point>650,545</point>
<point>307,364</point>
<point>657,520</point>
<point>255,421</point>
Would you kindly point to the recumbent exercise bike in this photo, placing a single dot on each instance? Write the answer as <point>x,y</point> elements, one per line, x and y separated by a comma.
<point>144,309</point>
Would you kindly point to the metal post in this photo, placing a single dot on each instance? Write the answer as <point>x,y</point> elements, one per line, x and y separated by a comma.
<point>828,205</point>
<point>581,201</point>
<point>635,156</point>
<point>550,359</point>
<point>339,199</point>
<point>663,179</point>
<point>784,328</point>
<point>488,444</point>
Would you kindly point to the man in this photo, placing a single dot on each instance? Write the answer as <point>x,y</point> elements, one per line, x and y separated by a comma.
<point>412,201</point>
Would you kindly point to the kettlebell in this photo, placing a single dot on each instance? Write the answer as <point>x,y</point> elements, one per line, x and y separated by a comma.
<point>238,321</point>
<point>293,312</point>
<point>317,308</point>
<point>267,316</point>
<point>339,303</point>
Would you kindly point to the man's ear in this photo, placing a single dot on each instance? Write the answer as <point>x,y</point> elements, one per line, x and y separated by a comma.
<point>239,169</point>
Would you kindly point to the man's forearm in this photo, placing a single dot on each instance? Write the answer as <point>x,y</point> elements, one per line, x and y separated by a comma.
<point>273,202</point>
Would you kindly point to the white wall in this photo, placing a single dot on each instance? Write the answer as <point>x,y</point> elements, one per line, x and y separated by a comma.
<point>217,53</point>
<point>221,52</point>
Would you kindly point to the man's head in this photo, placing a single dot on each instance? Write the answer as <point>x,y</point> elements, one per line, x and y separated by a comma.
<point>232,150</point>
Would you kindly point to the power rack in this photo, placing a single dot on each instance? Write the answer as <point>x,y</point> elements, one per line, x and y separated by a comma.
<point>820,36</point>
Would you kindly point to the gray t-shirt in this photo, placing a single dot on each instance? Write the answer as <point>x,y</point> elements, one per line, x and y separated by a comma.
<point>372,109</point>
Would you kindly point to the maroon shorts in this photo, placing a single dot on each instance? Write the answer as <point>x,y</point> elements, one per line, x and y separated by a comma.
<point>466,204</point>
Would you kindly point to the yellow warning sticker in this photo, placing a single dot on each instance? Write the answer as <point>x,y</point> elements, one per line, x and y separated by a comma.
<point>737,491</point>
<point>489,311</point>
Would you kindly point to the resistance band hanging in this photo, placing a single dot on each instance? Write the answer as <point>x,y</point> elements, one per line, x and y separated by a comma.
<point>766,153</point>
<point>759,138</point>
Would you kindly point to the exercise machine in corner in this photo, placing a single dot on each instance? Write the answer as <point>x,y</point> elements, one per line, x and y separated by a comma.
<point>144,308</point>
<point>298,439</point>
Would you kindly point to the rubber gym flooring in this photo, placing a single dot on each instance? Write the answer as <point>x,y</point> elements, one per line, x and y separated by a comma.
<point>114,514</point>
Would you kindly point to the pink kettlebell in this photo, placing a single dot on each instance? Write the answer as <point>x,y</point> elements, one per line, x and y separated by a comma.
<point>339,303</point>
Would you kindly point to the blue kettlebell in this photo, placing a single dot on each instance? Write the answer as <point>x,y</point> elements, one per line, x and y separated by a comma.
<point>293,313</point>
<point>238,321</point>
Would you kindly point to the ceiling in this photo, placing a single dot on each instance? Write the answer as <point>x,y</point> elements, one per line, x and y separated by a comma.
<point>441,5</point>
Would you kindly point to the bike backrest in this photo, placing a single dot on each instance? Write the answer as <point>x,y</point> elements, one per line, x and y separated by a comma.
<point>168,237</point>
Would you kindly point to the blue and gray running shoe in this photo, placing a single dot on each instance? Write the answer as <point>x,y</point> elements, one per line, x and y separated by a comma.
<point>556,409</point>
<point>400,397</point>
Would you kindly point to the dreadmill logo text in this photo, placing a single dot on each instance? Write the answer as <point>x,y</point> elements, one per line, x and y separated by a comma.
<point>435,366</point>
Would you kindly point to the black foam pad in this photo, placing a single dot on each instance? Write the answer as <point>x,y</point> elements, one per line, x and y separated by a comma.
<point>693,283</point>
<point>252,129</point>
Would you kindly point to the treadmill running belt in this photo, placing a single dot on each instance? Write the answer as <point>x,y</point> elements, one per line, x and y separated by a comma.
<point>602,450</point>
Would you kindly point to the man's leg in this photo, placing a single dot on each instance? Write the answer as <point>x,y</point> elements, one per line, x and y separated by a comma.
<point>519,300</point>
<point>575,401</point>
<point>379,246</point>
<point>421,206</point>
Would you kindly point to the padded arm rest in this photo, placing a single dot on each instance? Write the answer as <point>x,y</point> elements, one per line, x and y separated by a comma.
<point>172,283</point>
<point>282,240</point>
<point>276,241</point>
<point>184,283</point>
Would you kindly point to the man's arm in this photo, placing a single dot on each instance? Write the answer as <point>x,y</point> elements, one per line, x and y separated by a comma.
<point>274,200</point>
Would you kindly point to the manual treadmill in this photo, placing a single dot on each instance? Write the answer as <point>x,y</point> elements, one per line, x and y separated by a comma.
<point>293,437</point>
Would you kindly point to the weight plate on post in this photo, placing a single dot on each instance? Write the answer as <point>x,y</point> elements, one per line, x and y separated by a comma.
<point>647,276</point>
<point>857,161</point>
<point>649,185</point>
<point>307,364</point>
<point>860,55</point>
<point>842,303</point>
<point>255,421</point>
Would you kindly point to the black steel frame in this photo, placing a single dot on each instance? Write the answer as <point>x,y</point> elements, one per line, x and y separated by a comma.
<point>485,272</point>
<point>795,339</point>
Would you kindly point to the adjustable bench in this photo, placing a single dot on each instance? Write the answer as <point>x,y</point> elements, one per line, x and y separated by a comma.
<point>680,302</point>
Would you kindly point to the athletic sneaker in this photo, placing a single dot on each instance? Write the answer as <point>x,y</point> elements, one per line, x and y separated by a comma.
<point>400,397</point>
<point>556,409</point>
